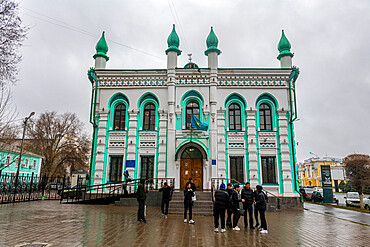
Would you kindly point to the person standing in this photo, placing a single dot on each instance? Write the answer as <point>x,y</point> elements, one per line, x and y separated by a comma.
<point>141,198</point>
<point>127,175</point>
<point>188,203</point>
<point>235,207</point>
<point>261,205</point>
<point>193,187</point>
<point>248,199</point>
<point>219,207</point>
<point>166,190</point>
<point>229,207</point>
<point>255,193</point>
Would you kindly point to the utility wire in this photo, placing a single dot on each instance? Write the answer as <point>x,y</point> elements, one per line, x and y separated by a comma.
<point>82,31</point>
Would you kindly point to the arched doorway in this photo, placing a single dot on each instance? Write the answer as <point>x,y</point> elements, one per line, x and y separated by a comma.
<point>191,166</point>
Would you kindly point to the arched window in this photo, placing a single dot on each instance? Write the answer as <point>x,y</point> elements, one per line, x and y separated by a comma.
<point>265,117</point>
<point>120,117</point>
<point>234,117</point>
<point>149,117</point>
<point>192,108</point>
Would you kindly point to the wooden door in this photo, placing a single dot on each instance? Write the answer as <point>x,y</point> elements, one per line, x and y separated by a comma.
<point>191,168</point>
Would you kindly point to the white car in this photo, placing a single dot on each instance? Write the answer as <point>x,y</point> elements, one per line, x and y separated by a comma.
<point>367,202</point>
<point>352,199</point>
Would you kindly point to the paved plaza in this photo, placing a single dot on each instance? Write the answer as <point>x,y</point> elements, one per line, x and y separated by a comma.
<point>92,225</point>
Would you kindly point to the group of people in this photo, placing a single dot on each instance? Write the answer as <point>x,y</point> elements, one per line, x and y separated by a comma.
<point>227,199</point>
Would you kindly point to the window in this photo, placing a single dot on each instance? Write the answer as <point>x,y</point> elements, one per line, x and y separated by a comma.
<point>16,162</point>
<point>147,167</point>
<point>236,168</point>
<point>7,162</point>
<point>234,117</point>
<point>115,171</point>
<point>192,108</point>
<point>265,117</point>
<point>120,117</point>
<point>33,164</point>
<point>268,170</point>
<point>149,117</point>
<point>26,161</point>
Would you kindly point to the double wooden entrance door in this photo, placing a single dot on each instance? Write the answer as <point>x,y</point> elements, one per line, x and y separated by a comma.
<point>191,168</point>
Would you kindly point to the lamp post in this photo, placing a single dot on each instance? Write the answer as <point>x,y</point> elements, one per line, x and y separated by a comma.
<point>20,154</point>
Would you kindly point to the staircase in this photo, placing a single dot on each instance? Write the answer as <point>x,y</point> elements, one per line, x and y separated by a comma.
<point>202,206</point>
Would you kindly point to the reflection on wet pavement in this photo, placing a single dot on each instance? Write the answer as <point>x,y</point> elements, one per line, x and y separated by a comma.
<point>91,225</point>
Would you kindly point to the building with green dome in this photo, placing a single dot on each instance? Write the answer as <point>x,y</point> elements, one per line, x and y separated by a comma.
<point>142,121</point>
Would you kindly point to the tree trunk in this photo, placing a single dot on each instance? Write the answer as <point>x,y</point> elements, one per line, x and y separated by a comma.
<point>361,198</point>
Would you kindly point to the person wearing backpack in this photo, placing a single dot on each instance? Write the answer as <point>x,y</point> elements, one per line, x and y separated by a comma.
<point>141,198</point>
<point>219,207</point>
<point>248,199</point>
<point>260,202</point>
<point>166,190</point>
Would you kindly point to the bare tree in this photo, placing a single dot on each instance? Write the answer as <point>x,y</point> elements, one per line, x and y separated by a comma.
<point>62,142</point>
<point>8,114</point>
<point>358,171</point>
<point>12,35</point>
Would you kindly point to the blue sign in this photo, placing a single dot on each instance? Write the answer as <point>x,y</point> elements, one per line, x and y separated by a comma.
<point>213,162</point>
<point>130,163</point>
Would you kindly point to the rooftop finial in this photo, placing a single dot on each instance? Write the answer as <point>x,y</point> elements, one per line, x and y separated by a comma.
<point>190,57</point>
<point>284,46</point>
<point>102,47</point>
<point>173,41</point>
<point>212,43</point>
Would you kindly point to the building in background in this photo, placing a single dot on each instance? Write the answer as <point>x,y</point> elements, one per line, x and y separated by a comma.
<point>310,171</point>
<point>9,158</point>
<point>141,121</point>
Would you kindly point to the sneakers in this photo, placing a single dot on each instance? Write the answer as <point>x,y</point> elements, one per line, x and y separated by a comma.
<point>165,216</point>
<point>216,229</point>
<point>185,220</point>
<point>236,228</point>
<point>191,221</point>
<point>263,231</point>
<point>252,227</point>
<point>162,215</point>
<point>223,230</point>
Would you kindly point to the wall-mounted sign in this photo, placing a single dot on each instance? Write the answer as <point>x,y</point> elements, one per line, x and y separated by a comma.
<point>213,162</point>
<point>130,163</point>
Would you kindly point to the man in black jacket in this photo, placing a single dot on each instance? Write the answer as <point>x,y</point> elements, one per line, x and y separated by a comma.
<point>141,198</point>
<point>261,205</point>
<point>229,207</point>
<point>166,190</point>
<point>235,207</point>
<point>219,207</point>
<point>248,199</point>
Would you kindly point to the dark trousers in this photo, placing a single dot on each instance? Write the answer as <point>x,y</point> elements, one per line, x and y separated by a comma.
<point>140,211</point>
<point>219,213</point>
<point>256,215</point>
<point>248,207</point>
<point>190,207</point>
<point>229,213</point>
<point>263,219</point>
<point>165,203</point>
<point>236,216</point>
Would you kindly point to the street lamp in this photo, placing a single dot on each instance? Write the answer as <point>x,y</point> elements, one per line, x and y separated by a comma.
<point>20,154</point>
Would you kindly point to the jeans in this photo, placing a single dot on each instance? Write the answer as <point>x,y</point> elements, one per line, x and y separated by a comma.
<point>248,207</point>
<point>236,216</point>
<point>229,213</point>
<point>190,207</point>
<point>164,203</point>
<point>263,219</point>
<point>140,211</point>
<point>256,215</point>
<point>219,213</point>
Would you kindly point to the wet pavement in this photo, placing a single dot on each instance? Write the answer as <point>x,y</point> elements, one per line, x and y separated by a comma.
<point>91,225</point>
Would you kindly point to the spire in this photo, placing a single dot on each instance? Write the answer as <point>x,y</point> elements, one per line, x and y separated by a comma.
<point>173,42</point>
<point>284,46</point>
<point>101,48</point>
<point>212,43</point>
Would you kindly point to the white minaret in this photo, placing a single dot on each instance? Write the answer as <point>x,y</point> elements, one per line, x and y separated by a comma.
<point>172,52</point>
<point>285,56</point>
<point>101,57</point>
<point>212,52</point>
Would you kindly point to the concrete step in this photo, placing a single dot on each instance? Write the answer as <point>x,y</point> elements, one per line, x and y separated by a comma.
<point>202,206</point>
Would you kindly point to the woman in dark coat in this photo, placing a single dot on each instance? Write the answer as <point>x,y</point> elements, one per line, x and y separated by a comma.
<point>188,203</point>
<point>261,206</point>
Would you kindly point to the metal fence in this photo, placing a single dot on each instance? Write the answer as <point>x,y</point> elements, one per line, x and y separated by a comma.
<point>30,187</point>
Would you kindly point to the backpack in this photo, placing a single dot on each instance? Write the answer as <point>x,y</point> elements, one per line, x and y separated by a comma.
<point>171,193</point>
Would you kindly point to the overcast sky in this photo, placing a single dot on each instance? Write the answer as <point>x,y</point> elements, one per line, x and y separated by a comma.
<point>330,40</point>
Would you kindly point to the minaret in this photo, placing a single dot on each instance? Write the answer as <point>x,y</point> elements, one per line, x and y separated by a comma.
<point>101,57</point>
<point>172,52</point>
<point>212,52</point>
<point>285,56</point>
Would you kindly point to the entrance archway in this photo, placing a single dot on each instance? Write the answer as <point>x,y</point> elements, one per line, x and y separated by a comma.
<point>191,166</point>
